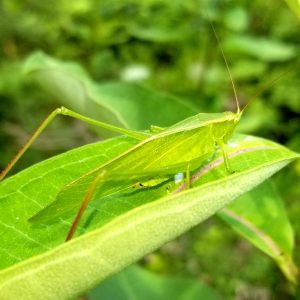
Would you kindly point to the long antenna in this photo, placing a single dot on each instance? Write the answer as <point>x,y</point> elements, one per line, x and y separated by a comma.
<point>226,63</point>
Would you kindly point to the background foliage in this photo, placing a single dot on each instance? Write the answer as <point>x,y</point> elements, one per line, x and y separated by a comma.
<point>167,46</point>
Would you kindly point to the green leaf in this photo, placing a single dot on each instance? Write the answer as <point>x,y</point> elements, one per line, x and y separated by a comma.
<point>246,69</point>
<point>254,215</point>
<point>125,104</point>
<point>137,283</point>
<point>237,19</point>
<point>265,49</point>
<point>123,227</point>
<point>158,34</point>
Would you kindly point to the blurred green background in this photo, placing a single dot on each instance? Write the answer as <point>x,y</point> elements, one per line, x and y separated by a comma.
<point>167,46</point>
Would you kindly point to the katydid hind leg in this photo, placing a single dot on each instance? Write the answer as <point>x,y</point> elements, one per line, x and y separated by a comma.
<point>64,111</point>
<point>84,204</point>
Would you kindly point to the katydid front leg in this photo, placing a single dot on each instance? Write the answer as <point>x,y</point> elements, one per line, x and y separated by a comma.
<point>188,176</point>
<point>67,112</point>
<point>226,158</point>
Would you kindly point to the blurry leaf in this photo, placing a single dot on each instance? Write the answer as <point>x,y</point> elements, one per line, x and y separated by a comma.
<point>128,105</point>
<point>141,107</point>
<point>266,49</point>
<point>259,116</point>
<point>246,69</point>
<point>157,34</point>
<point>236,19</point>
<point>286,94</point>
<point>261,218</point>
<point>294,6</point>
<point>133,223</point>
<point>158,20</point>
<point>137,283</point>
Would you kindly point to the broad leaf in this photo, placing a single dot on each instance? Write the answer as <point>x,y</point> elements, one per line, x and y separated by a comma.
<point>123,227</point>
<point>260,217</point>
<point>266,49</point>
<point>125,104</point>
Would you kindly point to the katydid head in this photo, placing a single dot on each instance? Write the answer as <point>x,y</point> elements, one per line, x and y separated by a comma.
<point>237,116</point>
<point>233,117</point>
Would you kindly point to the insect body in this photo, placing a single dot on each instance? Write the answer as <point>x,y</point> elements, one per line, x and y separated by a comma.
<point>184,145</point>
<point>178,148</point>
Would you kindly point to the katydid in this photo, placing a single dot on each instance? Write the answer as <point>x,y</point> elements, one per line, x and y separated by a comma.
<point>165,151</point>
<point>179,148</point>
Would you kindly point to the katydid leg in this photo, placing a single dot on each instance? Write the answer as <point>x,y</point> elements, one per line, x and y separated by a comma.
<point>67,112</point>
<point>188,176</point>
<point>226,158</point>
<point>84,204</point>
<point>34,136</point>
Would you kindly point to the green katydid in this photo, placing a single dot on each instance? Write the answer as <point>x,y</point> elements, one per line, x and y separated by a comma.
<point>190,142</point>
<point>200,134</point>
